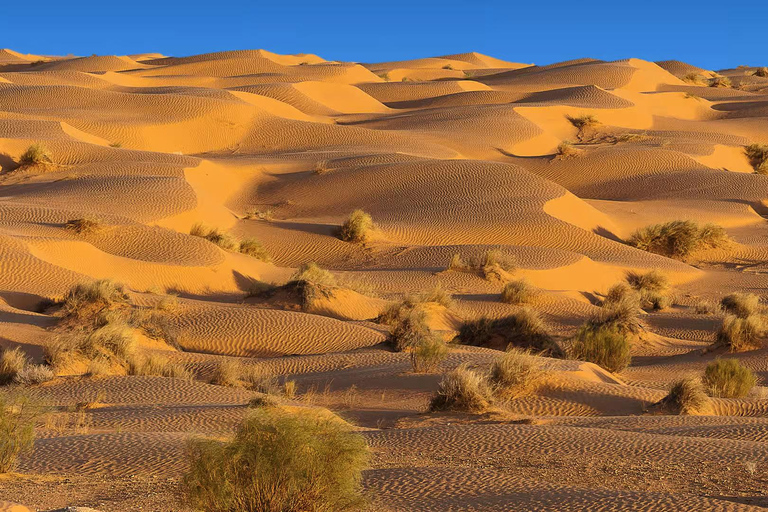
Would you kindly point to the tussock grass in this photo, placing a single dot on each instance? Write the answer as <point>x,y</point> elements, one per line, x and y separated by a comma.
<point>603,345</point>
<point>312,282</point>
<point>86,300</point>
<point>17,429</point>
<point>727,378</point>
<point>696,79</point>
<point>584,121</point>
<point>267,215</point>
<point>514,374</point>
<point>492,264</point>
<point>36,154</point>
<point>758,157</point>
<point>741,334</point>
<point>409,330</point>
<point>358,227</point>
<point>462,390</point>
<point>678,239</point>
<point>518,291</point>
<point>762,72</point>
<point>279,462</point>
<point>652,287</point>
<point>687,396</point>
<point>113,345</point>
<point>720,81</point>
<point>227,373</point>
<point>437,295</point>
<point>84,226</point>
<point>255,249</point>
<point>157,365</point>
<point>33,374</point>
<point>621,314</point>
<point>215,236</point>
<point>12,363</point>
<point>742,305</point>
<point>523,329</point>
<point>427,354</point>
<point>567,150</point>
<point>619,293</point>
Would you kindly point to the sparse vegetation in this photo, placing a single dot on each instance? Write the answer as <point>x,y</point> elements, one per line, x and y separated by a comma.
<point>33,374</point>
<point>686,397</point>
<point>603,345</point>
<point>586,124</point>
<point>227,373</point>
<point>695,79</point>
<point>462,390</point>
<point>267,215</point>
<point>322,167</point>
<point>215,236</point>
<point>90,299</point>
<point>741,334</point>
<point>254,248</point>
<point>493,264</point>
<point>12,363</point>
<point>621,314</point>
<point>518,291</point>
<point>357,228</point>
<point>652,287</point>
<point>678,239</point>
<point>758,157</point>
<point>409,330</point>
<point>720,81</point>
<point>36,154</point>
<point>448,66</point>
<point>762,72</point>
<point>84,226</point>
<point>312,282</point>
<point>727,378</point>
<point>427,354</point>
<point>523,329</point>
<point>692,96</point>
<point>514,374</point>
<point>567,150</point>
<point>17,429</point>
<point>279,462</point>
<point>742,305</point>
<point>157,365</point>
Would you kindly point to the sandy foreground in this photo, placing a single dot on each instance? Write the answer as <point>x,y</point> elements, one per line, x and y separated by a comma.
<point>450,155</point>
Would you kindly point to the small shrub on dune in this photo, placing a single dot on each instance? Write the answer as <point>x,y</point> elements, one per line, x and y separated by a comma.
<point>113,339</point>
<point>215,236</point>
<point>85,299</point>
<point>720,81</point>
<point>678,239</point>
<point>279,462</point>
<point>84,226</point>
<point>518,291</point>
<point>490,265</point>
<point>36,154</point>
<point>157,365</point>
<point>409,330</point>
<point>260,379</point>
<point>652,287</point>
<point>585,123</point>
<point>227,373</point>
<point>357,228</point>
<point>727,378</point>
<point>695,79</point>
<point>437,295</point>
<point>12,363</point>
<point>462,390</point>
<point>620,292</point>
<point>603,345</point>
<point>523,329</point>
<point>458,264</point>
<point>704,307</point>
<point>254,248</point>
<point>742,305</point>
<point>34,374</point>
<point>17,429</point>
<point>622,315</point>
<point>427,354</point>
<point>762,72</point>
<point>741,334</point>
<point>514,374</point>
<point>312,281</point>
<point>758,157</point>
<point>686,397</point>
<point>567,150</point>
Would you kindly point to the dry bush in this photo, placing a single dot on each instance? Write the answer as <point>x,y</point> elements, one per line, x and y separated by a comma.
<point>652,281</point>
<point>686,397</point>
<point>603,345</point>
<point>437,295</point>
<point>36,154</point>
<point>12,363</point>
<point>741,334</point>
<point>260,379</point>
<point>279,462</point>
<point>157,365</point>
<point>227,373</point>
<point>742,305</point>
<point>86,300</point>
<point>215,236</point>
<point>267,215</point>
<point>695,79</point>
<point>762,72</point>
<point>84,226</point>
<point>427,354</point>
<point>409,330</point>
<point>727,378</point>
<point>322,167</point>
<point>494,264</point>
<point>758,157</point>
<point>567,150</point>
<point>690,95</point>
<point>584,121</point>
<point>518,291</point>
<point>720,81</point>
<point>523,329</point>
<point>704,307</point>
<point>462,390</point>
<point>311,282</point>
<point>678,239</point>
<point>289,389</point>
<point>619,293</point>
<point>112,344</point>
<point>34,374</point>
<point>254,248</point>
<point>458,264</point>
<point>357,228</point>
<point>514,374</point>
<point>17,429</point>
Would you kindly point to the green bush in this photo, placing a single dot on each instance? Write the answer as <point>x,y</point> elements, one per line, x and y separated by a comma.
<point>727,378</point>
<point>427,354</point>
<point>462,390</point>
<point>603,345</point>
<point>523,329</point>
<point>279,462</point>
<point>357,228</point>
<point>678,239</point>
<point>17,429</point>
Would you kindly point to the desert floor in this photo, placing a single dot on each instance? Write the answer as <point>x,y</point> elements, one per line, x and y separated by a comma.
<point>449,155</point>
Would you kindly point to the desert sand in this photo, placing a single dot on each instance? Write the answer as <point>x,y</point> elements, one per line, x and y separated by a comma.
<point>449,155</point>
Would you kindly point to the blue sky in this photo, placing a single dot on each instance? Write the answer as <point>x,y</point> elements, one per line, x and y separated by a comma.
<point>539,32</point>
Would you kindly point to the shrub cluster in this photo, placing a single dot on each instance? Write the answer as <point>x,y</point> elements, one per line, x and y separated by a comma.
<point>493,264</point>
<point>758,157</point>
<point>36,154</point>
<point>518,291</point>
<point>687,396</point>
<point>678,239</point>
<point>17,429</point>
<point>727,378</point>
<point>603,345</point>
<point>249,246</point>
<point>358,227</point>
<point>523,329</point>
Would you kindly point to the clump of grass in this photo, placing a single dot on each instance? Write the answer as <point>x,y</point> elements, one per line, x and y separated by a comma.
<point>358,227</point>
<point>437,295</point>
<point>427,354</point>
<point>312,282</point>
<point>720,81</point>
<point>692,96</point>
<point>281,462</point>
<point>603,345</point>
<point>17,429</point>
<point>742,305</point>
<point>159,366</point>
<point>518,291</point>
<point>514,374</point>
<point>492,264</point>
<point>33,374</point>
<point>12,363</point>
<point>267,215</point>
<point>762,72</point>
<point>704,307</point>
<point>727,378</point>
<point>258,378</point>
<point>84,226</point>
<point>409,330</point>
<point>322,167</point>
<point>586,124</point>
<point>741,334</point>
<point>621,314</point>
<point>36,154</point>
<point>384,76</point>
<point>652,287</point>
<point>620,292</point>
<point>448,66</point>
<point>523,329</point>
<point>215,236</point>
<point>686,397</point>
<point>227,373</point>
<point>96,297</point>
<point>567,150</point>
<point>112,345</point>
<point>678,239</point>
<point>462,390</point>
<point>254,248</point>
<point>758,157</point>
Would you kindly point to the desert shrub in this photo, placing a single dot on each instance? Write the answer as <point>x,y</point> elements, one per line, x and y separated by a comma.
<point>260,379</point>
<point>762,72</point>
<point>427,354</point>
<point>84,226</point>
<point>678,239</point>
<point>584,121</point>
<point>34,374</point>
<point>311,281</point>
<point>603,345</point>
<point>695,79</point>
<point>690,95</point>
<point>215,236</point>
<point>567,150</point>
<point>704,307</point>
<point>495,263</point>
<point>515,374</point>
<point>112,339</point>
<point>523,329</point>
<point>254,248</point>
<point>279,462</point>
<point>741,334</point>
<point>157,365</point>
<point>86,299</point>
<point>758,157</point>
<point>17,429</point>
<point>619,293</point>
<point>742,305</point>
<point>687,397</point>
<point>727,378</point>
<point>267,215</point>
<point>462,390</point>
<point>357,228</point>
<point>448,66</point>
<point>437,295</point>
<point>322,167</point>
<point>289,389</point>
<point>36,154</point>
<point>409,330</point>
<point>12,363</point>
<point>623,314</point>
<point>720,81</point>
<point>518,291</point>
<point>653,281</point>
<point>227,373</point>
<point>457,263</point>
<point>263,400</point>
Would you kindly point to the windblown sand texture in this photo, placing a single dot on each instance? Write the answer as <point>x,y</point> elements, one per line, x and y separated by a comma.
<point>449,155</point>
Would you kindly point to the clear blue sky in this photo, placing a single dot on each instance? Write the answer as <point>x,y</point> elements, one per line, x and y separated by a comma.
<point>540,31</point>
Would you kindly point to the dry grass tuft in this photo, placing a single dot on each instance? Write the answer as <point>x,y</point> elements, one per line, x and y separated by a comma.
<point>678,239</point>
<point>567,150</point>
<point>17,429</point>
<point>254,248</point>
<point>86,300</point>
<point>36,154</point>
<point>742,305</point>
<point>758,157</point>
<point>12,363</point>
<point>427,354</point>
<point>84,226</point>
<point>720,81</point>
<point>215,236</point>
<point>312,282</point>
<point>358,227</point>
<point>516,373</point>
<point>492,264</point>
<point>762,72</point>
<point>518,291</point>
<point>408,330</point>
<point>621,314</point>
<point>523,329</point>
<point>227,373</point>
<point>741,334</point>
<point>33,374</point>
<point>652,287</point>
<point>686,397</point>
<point>605,346</point>
<point>727,378</point>
<point>159,366</point>
<point>462,390</point>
